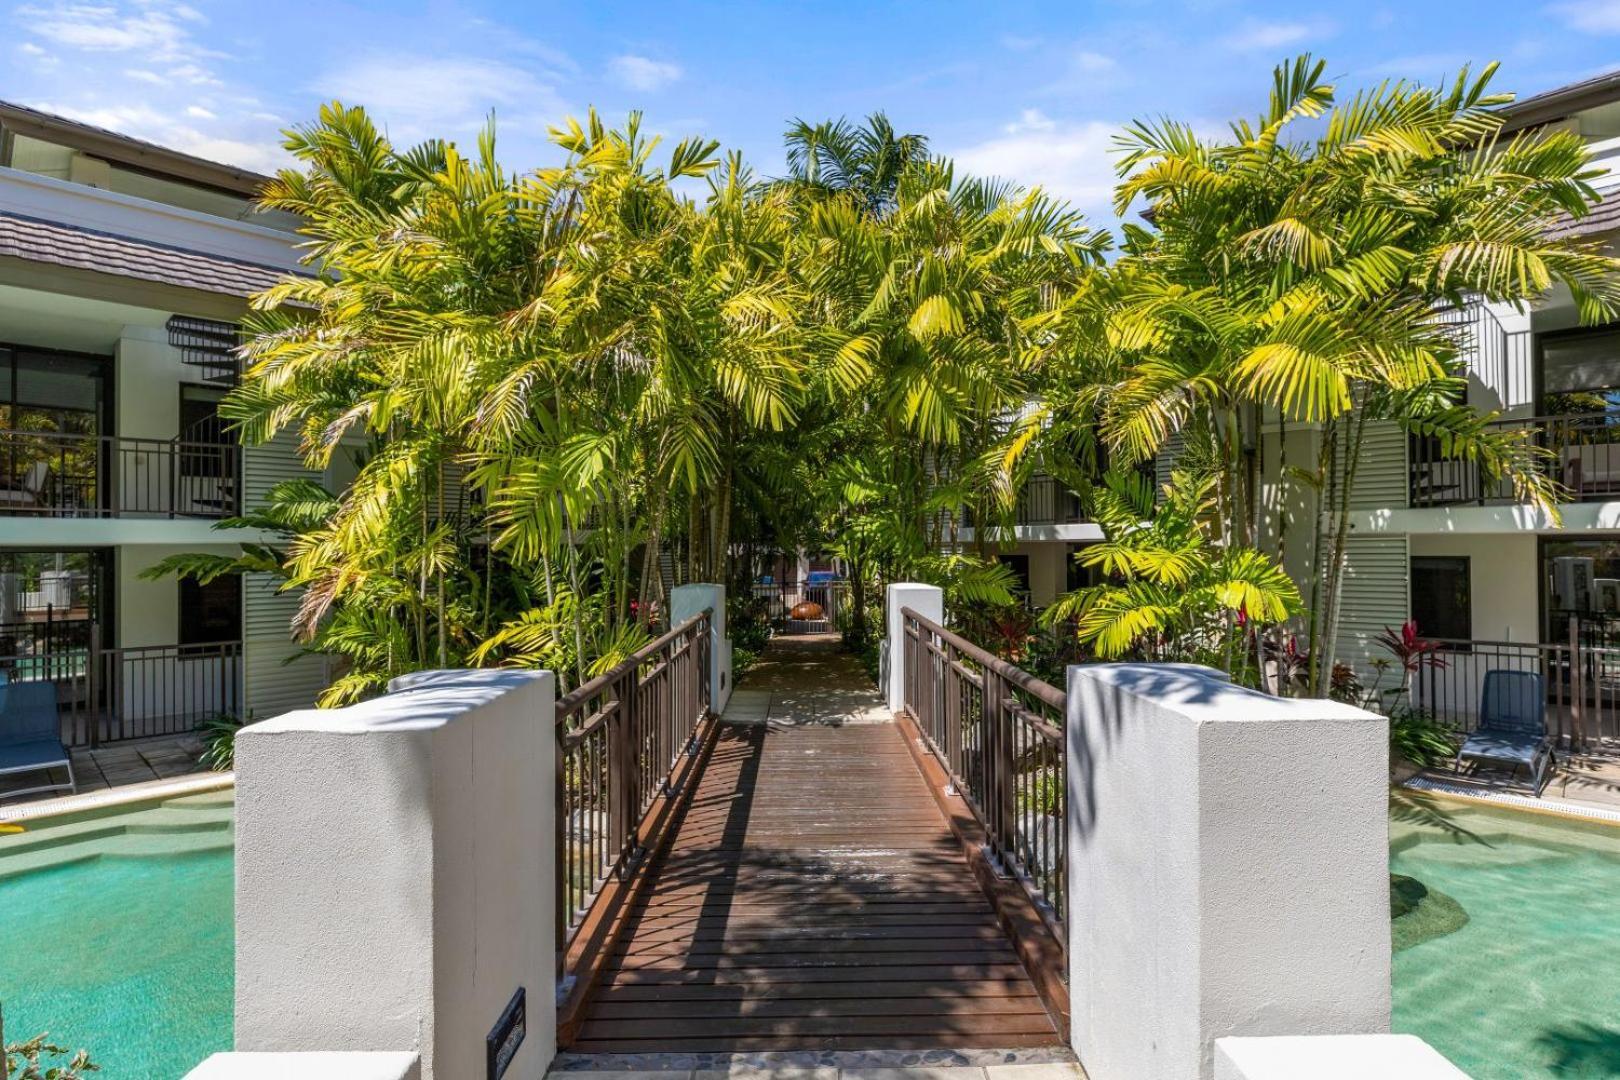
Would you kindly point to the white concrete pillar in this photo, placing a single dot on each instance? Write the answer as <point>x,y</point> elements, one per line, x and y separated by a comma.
<point>927,601</point>
<point>1228,868</point>
<point>394,873</point>
<point>686,601</point>
<point>1331,1057</point>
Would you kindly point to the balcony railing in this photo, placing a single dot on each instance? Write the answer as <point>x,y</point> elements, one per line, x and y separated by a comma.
<point>47,474</point>
<point>1583,454</point>
<point>110,695</point>
<point>1044,500</point>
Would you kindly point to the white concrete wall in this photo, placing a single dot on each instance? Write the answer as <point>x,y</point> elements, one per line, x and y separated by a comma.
<point>394,873</point>
<point>147,384</point>
<point>148,612</point>
<point>309,1066</point>
<point>1504,574</point>
<point>689,601</point>
<point>1332,1057</point>
<point>1228,868</point>
<point>1048,570</point>
<point>927,601</point>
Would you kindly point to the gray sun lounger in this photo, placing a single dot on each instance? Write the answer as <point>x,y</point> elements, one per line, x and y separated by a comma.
<point>31,735</point>
<point>1512,727</point>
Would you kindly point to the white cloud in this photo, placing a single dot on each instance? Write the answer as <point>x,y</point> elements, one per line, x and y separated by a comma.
<point>1030,120</point>
<point>1589,16</point>
<point>643,73</point>
<point>155,28</point>
<point>200,113</point>
<point>445,96</point>
<point>1070,159</point>
<point>1086,60</point>
<point>1254,35</point>
<point>28,48</point>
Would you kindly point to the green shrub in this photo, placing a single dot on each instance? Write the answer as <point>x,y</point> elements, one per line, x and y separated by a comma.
<point>219,741</point>
<point>1419,736</point>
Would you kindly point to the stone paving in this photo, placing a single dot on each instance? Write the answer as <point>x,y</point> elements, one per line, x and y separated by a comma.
<point>806,679</point>
<point>134,762</point>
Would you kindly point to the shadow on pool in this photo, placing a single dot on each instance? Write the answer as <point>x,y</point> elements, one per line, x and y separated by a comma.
<point>1407,808</point>
<point>1582,1049</point>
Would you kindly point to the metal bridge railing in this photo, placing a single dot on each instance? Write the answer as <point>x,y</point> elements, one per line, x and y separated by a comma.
<point>619,740</point>
<point>998,733</point>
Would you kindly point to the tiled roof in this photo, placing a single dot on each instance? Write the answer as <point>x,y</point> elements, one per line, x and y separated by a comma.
<point>85,249</point>
<point>1605,217</point>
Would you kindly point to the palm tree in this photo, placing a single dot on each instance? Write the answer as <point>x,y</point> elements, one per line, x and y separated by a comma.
<point>1306,282</point>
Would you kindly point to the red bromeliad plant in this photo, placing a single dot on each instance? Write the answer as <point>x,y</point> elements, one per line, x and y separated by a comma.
<point>1411,650</point>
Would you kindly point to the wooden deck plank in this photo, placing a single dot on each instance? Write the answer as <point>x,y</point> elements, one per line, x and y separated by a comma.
<point>813,897</point>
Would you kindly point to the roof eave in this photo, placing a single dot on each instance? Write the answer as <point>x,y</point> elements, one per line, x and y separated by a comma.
<point>137,154</point>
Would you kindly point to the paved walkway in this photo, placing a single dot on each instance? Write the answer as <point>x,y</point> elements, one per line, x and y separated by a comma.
<point>806,680</point>
<point>813,897</point>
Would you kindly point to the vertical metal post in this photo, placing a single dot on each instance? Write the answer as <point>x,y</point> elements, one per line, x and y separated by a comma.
<point>92,703</point>
<point>1577,685</point>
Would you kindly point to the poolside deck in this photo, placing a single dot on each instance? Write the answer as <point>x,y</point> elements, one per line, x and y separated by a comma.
<point>1584,781</point>
<point>136,762</point>
<point>813,897</point>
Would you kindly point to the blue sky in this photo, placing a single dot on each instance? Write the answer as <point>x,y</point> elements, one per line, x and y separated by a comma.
<point>1027,90</point>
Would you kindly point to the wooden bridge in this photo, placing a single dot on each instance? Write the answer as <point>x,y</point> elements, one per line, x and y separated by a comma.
<point>808,873</point>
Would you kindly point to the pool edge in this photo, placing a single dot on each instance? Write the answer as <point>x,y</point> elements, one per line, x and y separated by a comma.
<point>117,798</point>
<point>1510,800</point>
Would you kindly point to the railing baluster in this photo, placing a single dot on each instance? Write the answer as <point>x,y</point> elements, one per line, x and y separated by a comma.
<point>998,732</point>
<point>619,739</point>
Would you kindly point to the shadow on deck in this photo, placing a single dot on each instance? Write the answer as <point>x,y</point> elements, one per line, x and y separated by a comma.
<point>813,897</point>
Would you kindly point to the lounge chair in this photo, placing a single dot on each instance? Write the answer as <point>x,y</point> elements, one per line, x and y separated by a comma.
<point>31,735</point>
<point>1512,727</point>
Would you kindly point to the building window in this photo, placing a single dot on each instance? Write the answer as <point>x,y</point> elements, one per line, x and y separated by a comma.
<point>1442,606</point>
<point>211,613</point>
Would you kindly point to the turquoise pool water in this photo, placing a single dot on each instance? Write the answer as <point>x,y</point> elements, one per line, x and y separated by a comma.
<point>127,953</point>
<point>1530,984</point>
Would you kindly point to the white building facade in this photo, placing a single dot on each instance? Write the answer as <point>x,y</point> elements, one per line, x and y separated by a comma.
<point>124,270</point>
<point>1434,541</point>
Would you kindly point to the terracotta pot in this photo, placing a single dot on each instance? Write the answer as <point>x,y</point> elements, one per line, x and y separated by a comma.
<point>806,611</point>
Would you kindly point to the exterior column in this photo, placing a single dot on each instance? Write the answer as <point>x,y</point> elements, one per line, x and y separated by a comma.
<point>686,601</point>
<point>395,874</point>
<point>927,601</point>
<point>1228,868</point>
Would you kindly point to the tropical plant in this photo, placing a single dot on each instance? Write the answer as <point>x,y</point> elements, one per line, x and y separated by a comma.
<point>1420,737</point>
<point>919,282</point>
<point>1290,294</point>
<point>35,1060</point>
<point>218,734</point>
<point>1411,651</point>
<point>1171,591</point>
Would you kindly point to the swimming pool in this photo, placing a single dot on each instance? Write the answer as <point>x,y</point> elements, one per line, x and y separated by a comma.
<point>117,935</point>
<point>1528,985</point>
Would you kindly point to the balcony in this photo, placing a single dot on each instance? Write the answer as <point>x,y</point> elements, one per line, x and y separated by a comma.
<point>49,474</point>
<point>1583,453</point>
<point>1045,501</point>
